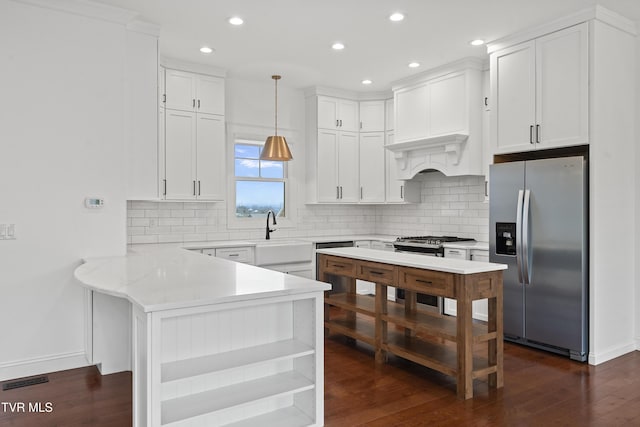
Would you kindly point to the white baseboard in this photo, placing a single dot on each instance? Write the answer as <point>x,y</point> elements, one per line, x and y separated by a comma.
<point>42,365</point>
<point>596,359</point>
<point>638,343</point>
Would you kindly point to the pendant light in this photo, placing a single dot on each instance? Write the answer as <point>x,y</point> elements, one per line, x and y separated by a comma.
<point>276,148</point>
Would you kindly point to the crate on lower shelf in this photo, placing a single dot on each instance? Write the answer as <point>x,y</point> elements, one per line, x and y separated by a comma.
<point>244,357</point>
<point>193,405</point>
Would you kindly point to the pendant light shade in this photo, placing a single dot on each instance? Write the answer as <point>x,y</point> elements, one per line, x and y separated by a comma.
<point>276,148</point>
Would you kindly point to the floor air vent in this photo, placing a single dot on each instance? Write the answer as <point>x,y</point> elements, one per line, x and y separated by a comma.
<point>25,382</point>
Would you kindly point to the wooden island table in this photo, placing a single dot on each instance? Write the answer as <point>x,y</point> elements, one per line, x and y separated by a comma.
<point>440,342</point>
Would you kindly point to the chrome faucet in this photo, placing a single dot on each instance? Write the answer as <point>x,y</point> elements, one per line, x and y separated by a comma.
<point>269,230</point>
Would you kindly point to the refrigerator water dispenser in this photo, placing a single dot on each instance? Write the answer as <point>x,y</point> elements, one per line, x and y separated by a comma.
<point>506,238</point>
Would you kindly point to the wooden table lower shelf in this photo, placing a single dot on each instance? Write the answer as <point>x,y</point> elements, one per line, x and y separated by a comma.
<point>439,342</point>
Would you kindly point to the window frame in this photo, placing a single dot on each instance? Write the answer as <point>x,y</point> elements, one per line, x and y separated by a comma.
<point>245,134</point>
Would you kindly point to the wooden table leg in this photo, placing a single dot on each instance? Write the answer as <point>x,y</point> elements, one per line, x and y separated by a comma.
<point>381,325</point>
<point>465,342</point>
<point>496,347</point>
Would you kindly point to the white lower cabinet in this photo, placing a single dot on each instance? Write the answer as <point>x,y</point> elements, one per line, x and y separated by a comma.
<point>244,254</point>
<point>304,269</point>
<point>480,308</point>
<point>246,363</point>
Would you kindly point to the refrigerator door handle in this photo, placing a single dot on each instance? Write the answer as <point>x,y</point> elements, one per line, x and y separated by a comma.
<point>525,238</point>
<point>519,235</point>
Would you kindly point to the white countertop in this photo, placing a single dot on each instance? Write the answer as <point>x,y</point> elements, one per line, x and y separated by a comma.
<point>447,265</point>
<point>168,278</point>
<point>482,246</point>
<point>213,244</point>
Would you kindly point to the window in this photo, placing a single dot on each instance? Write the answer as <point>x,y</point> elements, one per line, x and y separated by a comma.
<point>260,185</point>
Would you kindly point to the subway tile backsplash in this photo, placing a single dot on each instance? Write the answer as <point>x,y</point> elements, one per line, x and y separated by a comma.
<point>449,206</point>
<point>453,206</point>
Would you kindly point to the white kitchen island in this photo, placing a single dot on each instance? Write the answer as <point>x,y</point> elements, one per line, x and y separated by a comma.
<point>209,341</point>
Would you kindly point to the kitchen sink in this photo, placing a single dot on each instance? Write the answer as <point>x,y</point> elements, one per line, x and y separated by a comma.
<point>283,251</point>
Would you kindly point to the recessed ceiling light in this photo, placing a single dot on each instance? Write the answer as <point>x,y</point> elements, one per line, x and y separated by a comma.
<point>366,82</point>
<point>395,17</point>
<point>477,42</point>
<point>236,20</point>
<point>337,46</point>
<point>206,50</point>
<point>414,64</point>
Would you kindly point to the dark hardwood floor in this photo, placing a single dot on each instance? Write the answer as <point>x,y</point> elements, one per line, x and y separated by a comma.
<point>541,389</point>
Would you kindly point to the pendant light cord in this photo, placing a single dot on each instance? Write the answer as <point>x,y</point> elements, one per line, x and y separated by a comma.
<point>276,79</point>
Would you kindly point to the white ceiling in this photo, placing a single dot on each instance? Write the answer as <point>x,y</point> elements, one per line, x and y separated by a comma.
<point>293,37</point>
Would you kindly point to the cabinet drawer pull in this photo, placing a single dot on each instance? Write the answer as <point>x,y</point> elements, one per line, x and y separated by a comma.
<point>341,191</point>
<point>234,255</point>
<point>337,192</point>
<point>337,123</point>
<point>165,187</point>
<point>340,122</point>
<point>402,191</point>
<point>198,187</point>
<point>361,193</point>
<point>338,266</point>
<point>538,134</point>
<point>377,273</point>
<point>198,104</point>
<point>193,103</point>
<point>426,282</point>
<point>194,188</point>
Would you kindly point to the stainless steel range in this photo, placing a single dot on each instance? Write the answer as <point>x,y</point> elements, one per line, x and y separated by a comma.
<point>426,245</point>
<point>430,246</point>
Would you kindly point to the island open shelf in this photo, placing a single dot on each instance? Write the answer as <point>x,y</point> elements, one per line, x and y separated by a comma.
<point>437,341</point>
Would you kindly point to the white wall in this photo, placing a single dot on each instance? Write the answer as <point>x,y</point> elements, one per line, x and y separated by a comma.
<point>613,220</point>
<point>61,139</point>
<point>637,195</point>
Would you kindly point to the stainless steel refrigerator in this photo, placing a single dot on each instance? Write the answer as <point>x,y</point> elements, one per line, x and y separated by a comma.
<point>539,227</point>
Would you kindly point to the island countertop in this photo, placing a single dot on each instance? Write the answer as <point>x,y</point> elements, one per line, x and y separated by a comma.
<point>447,265</point>
<point>176,278</point>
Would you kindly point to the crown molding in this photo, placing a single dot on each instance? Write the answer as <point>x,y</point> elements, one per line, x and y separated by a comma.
<point>86,8</point>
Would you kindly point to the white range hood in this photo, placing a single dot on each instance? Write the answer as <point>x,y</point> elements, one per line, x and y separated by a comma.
<point>438,121</point>
<point>443,153</point>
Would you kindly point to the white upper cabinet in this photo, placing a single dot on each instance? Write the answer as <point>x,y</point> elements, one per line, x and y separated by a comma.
<point>210,157</point>
<point>193,144</point>
<point>372,116</point>
<point>180,138</point>
<point>388,115</point>
<point>372,162</point>
<point>540,92</point>
<point>337,163</point>
<point>194,156</point>
<point>338,114</point>
<point>194,92</point>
